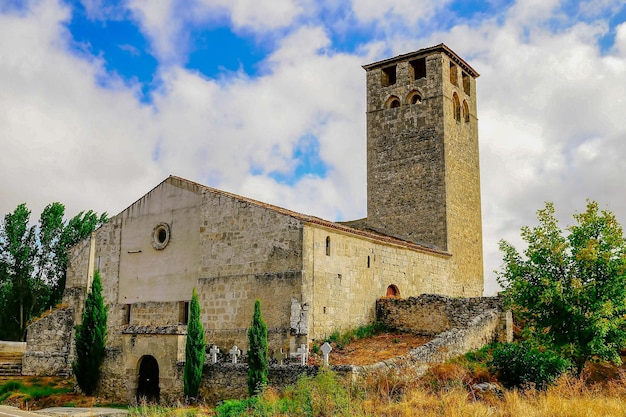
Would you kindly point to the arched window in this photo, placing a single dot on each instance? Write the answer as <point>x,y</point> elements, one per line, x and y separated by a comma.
<point>457,107</point>
<point>466,115</point>
<point>414,98</point>
<point>327,245</point>
<point>393,291</point>
<point>392,102</point>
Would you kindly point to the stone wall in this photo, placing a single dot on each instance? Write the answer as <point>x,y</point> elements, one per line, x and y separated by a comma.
<point>431,314</point>
<point>479,331</point>
<point>12,347</point>
<point>48,343</point>
<point>423,176</point>
<point>343,283</point>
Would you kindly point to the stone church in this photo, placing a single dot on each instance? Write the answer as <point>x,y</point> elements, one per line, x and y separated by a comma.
<point>422,235</point>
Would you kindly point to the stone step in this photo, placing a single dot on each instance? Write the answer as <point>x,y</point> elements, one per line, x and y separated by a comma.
<point>11,363</point>
<point>10,369</point>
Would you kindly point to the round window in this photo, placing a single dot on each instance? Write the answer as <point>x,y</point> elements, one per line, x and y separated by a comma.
<point>160,236</point>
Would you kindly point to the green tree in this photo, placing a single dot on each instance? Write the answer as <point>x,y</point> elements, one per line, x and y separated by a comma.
<point>33,262</point>
<point>569,290</point>
<point>194,350</point>
<point>18,286</point>
<point>90,339</point>
<point>257,352</point>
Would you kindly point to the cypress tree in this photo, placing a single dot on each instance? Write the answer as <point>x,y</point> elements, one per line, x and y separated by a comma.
<point>257,352</point>
<point>90,339</point>
<point>194,350</point>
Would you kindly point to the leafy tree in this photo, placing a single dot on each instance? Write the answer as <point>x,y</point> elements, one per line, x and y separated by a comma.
<point>90,339</point>
<point>569,291</point>
<point>194,350</point>
<point>257,352</point>
<point>33,262</point>
<point>18,286</point>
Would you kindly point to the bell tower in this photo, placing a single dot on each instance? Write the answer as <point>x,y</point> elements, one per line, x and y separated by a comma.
<point>423,176</point>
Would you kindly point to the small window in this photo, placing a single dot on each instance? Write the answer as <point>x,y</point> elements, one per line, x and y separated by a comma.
<point>368,261</point>
<point>414,98</point>
<point>418,68</point>
<point>126,319</point>
<point>327,245</point>
<point>392,102</point>
<point>457,107</point>
<point>393,291</point>
<point>388,76</point>
<point>453,74</point>
<point>466,115</point>
<point>466,83</point>
<point>160,236</point>
<point>183,314</point>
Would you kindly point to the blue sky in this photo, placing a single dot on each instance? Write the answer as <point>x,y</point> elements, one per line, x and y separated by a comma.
<point>100,100</point>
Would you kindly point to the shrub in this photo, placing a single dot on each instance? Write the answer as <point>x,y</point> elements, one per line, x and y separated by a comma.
<point>257,352</point>
<point>194,350</point>
<point>90,339</point>
<point>522,365</point>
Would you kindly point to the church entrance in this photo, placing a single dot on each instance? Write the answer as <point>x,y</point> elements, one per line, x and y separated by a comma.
<point>148,380</point>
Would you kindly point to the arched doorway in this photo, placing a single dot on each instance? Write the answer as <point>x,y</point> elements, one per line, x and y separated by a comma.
<point>148,379</point>
<point>393,291</point>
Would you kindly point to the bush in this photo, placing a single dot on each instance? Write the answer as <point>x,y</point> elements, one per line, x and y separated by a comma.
<point>194,350</point>
<point>522,365</point>
<point>257,352</point>
<point>90,339</point>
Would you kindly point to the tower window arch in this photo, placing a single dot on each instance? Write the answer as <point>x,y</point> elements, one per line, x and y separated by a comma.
<point>457,107</point>
<point>466,115</point>
<point>388,76</point>
<point>454,74</point>
<point>414,98</point>
<point>327,245</point>
<point>392,102</point>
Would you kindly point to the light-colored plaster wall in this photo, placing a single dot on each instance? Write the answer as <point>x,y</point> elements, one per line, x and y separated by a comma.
<point>342,290</point>
<point>169,274</point>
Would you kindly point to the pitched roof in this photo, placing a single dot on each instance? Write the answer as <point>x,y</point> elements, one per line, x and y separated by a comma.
<point>369,234</point>
<point>422,52</point>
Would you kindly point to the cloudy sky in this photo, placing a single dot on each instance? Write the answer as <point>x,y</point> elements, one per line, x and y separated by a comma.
<point>101,100</point>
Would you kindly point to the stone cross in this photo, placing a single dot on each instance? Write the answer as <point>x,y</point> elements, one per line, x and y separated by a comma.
<point>279,356</point>
<point>326,349</point>
<point>303,351</point>
<point>234,353</point>
<point>214,351</point>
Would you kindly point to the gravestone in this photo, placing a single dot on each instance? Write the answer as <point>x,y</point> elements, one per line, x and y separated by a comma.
<point>303,352</point>
<point>279,356</point>
<point>234,354</point>
<point>214,351</point>
<point>326,349</point>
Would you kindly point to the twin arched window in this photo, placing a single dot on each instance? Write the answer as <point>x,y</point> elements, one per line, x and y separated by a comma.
<point>412,98</point>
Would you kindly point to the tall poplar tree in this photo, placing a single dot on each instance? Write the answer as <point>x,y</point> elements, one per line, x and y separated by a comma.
<point>90,339</point>
<point>257,352</point>
<point>194,350</point>
<point>33,262</point>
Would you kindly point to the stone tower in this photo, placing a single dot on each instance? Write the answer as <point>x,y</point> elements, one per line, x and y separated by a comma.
<point>423,177</point>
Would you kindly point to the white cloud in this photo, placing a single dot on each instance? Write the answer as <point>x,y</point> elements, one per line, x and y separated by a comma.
<point>550,108</point>
<point>64,138</point>
<point>387,13</point>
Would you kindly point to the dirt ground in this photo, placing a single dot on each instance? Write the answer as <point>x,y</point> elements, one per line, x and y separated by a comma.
<point>373,349</point>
